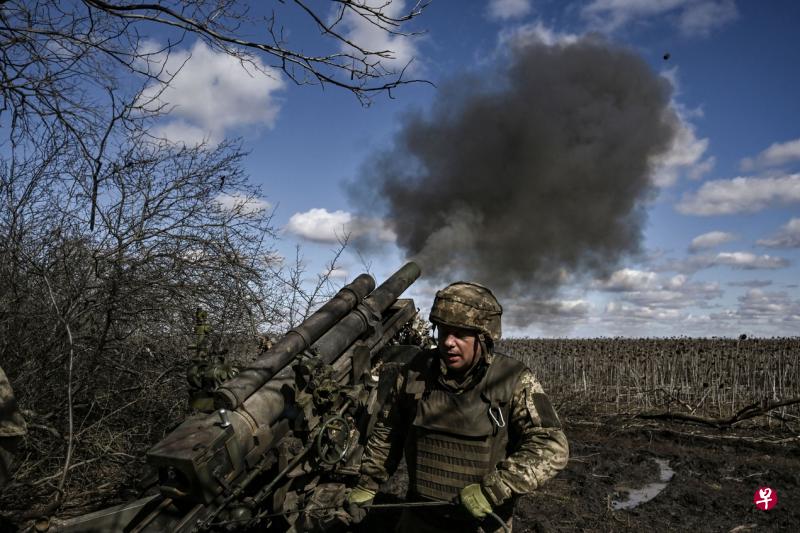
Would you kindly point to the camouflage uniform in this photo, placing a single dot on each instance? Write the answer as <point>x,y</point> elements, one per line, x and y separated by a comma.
<point>500,431</point>
<point>12,428</point>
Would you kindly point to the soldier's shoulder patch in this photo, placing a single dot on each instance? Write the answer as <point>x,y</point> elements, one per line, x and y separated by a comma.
<point>538,404</point>
<point>547,414</point>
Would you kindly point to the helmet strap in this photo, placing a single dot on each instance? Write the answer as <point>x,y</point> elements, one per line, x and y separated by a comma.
<point>486,344</point>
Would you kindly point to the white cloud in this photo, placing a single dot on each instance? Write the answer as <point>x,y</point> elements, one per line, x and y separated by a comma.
<point>699,18</point>
<point>508,9</point>
<point>374,39</point>
<point>776,155</point>
<point>541,308</point>
<point>741,195</point>
<point>686,154</point>
<point>638,313</point>
<point>320,225</point>
<point>648,290</point>
<point>661,311</point>
<point>556,317</point>
<point>759,304</point>
<point>655,299</point>
<point>646,298</point>
<point>210,94</point>
<point>536,32</point>
<point>242,203</point>
<point>736,260</point>
<point>787,237</point>
<point>669,304</point>
<point>677,281</point>
<point>180,131</point>
<point>757,307</point>
<point>710,240</point>
<point>693,17</point>
<point>671,75</point>
<point>627,280</point>
<point>337,273</point>
<point>749,261</point>
<point>700,169</point>
<point>612,14</point>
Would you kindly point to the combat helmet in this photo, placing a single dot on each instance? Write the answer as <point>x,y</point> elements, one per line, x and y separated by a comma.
<point>468,305</point>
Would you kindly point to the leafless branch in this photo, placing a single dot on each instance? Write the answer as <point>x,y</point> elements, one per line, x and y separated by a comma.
<point>71,359</point>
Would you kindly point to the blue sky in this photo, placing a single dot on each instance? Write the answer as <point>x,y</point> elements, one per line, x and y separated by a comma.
<point>720,243</point>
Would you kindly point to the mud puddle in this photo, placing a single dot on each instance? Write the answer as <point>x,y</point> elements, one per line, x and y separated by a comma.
<point>635,497</point>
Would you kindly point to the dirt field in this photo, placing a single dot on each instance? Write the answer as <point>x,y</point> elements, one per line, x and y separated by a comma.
<point>715,477</point>
<point>714,473</point>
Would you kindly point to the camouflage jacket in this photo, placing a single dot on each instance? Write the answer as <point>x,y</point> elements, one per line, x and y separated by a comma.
<point>11,422</point>
<point>539,447</point>
<point>12,428</point>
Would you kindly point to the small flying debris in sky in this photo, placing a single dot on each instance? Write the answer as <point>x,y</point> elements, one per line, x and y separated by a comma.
<point>666,56</point>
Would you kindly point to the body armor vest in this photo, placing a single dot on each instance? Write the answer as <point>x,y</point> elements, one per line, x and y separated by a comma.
<point>457,437</point>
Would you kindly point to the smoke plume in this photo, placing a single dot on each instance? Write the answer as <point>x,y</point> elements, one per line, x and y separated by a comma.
<point>522,179</point>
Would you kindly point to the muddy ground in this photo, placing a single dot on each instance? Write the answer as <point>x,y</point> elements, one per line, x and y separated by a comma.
<point>716,474</point>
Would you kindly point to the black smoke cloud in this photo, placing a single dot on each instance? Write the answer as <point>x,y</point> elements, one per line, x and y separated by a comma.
<point>518,178</point>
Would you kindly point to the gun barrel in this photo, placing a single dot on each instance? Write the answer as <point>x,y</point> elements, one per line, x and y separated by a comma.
<point>203,455</point>
<point>265,405</point>
<point>235,391</point>
<point>338,338</point>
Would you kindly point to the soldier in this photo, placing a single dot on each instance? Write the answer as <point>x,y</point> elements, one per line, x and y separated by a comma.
<point>12,429</point>
<point>475,426</point>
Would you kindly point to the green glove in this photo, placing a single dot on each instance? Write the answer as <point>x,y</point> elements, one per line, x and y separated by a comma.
<point>355,500</point>
<point>358,496</point>
<point>474,501</point>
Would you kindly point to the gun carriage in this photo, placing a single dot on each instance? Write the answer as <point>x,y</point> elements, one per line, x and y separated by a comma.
<point>284,431</point>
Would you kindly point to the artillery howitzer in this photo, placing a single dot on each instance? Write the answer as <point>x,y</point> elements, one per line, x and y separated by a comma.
<point>296,418</point>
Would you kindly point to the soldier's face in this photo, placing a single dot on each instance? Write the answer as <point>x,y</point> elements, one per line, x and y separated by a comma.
<point>458,347</point>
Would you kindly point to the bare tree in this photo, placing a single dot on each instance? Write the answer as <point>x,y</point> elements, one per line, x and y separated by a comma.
<point>103,318</point>
<point>55,54</point>
<point>111,238</point>
<point>304,293</point>
<point>77,70</point>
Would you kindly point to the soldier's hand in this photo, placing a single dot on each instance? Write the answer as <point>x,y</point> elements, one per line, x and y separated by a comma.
<point>357,501</point>
<point>474,501</point>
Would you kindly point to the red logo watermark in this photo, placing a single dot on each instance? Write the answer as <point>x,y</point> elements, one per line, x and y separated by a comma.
<point>765,498</point>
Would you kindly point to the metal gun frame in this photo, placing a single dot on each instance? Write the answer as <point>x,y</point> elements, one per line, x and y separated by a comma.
<point>300,411</point>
